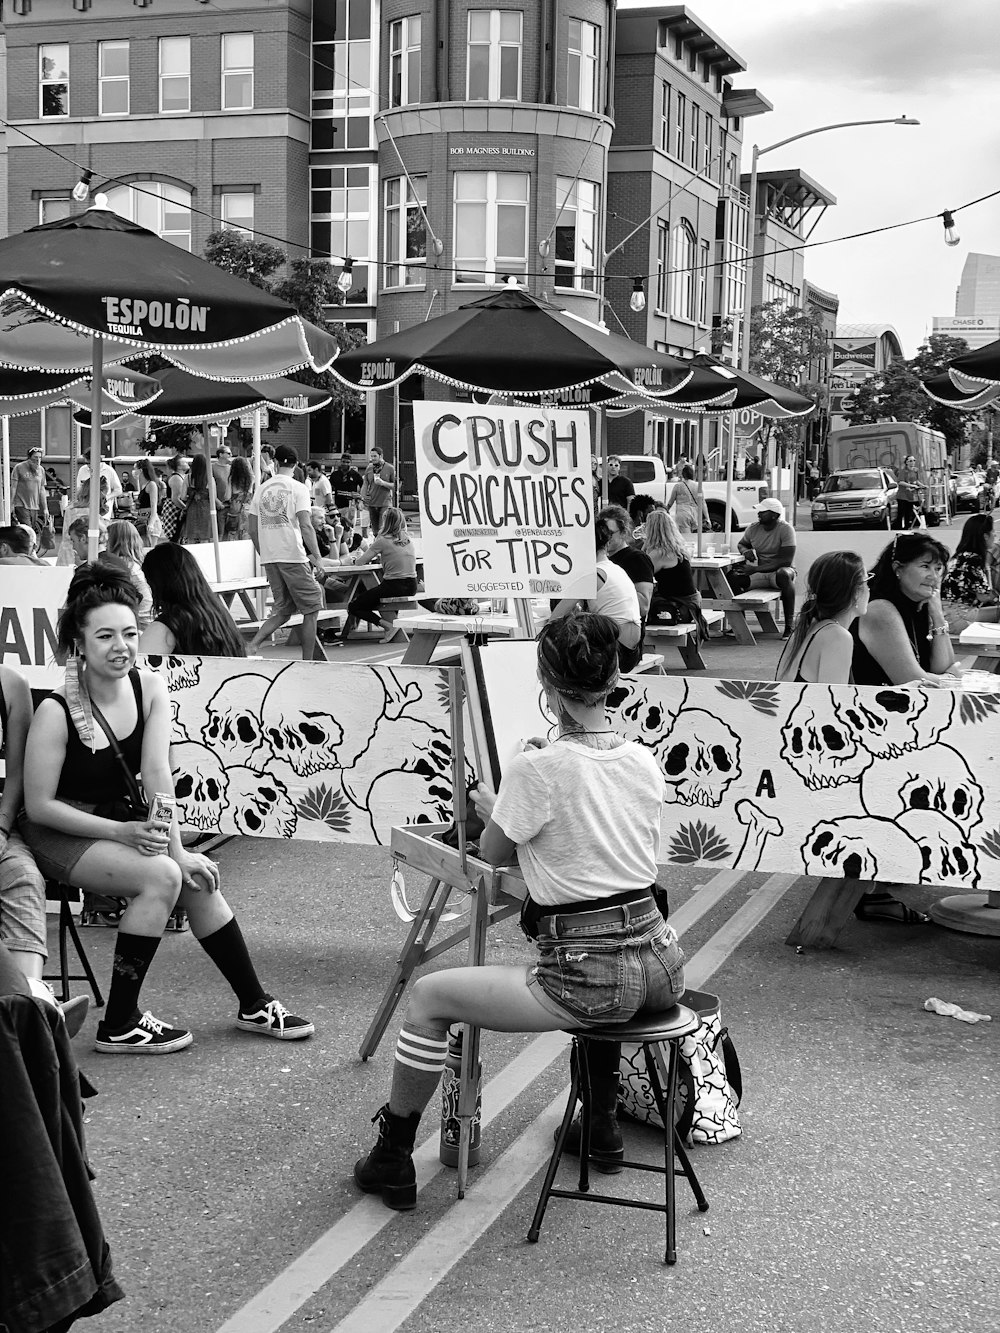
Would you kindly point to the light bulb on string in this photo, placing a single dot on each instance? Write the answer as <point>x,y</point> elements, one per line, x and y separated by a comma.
<point>346,279</point>
<point>82,188</point>
<point>637,301</point>
<point>951,236</point>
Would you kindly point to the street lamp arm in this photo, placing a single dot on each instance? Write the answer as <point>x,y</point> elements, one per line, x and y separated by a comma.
<point>840,125</point>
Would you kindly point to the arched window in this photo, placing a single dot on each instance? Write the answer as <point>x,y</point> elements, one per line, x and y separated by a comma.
<point>158,205</point>
<point>683,257</point>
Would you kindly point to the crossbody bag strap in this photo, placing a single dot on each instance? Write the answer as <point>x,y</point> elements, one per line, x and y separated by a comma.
<point>131,786</point>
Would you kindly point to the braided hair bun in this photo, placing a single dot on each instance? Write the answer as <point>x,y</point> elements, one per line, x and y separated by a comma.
<point>578,656</point>
<point>93,584</point>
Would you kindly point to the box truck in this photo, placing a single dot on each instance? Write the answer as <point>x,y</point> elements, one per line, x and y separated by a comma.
<point>885,445</point>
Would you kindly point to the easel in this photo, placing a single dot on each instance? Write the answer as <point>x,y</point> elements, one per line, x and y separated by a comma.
<point>495,894</point>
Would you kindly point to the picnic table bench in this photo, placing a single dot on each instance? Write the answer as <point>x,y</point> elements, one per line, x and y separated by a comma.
<point>761,601</point>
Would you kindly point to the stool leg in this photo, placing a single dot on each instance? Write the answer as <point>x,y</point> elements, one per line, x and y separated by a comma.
<point>81,953</point>
<point>688,1169</point>
<point>586,1112</point>
<point>664,1097</point>
<point>557,1151</point>
<point>65,920</point>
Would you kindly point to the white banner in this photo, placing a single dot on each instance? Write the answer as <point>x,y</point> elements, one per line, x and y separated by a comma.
<point>506,501</point>
<point>31,598</point>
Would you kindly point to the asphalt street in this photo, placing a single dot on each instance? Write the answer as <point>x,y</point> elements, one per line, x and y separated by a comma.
<point>862,1197</point>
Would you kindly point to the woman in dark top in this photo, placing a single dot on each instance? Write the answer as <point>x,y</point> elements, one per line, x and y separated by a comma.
<point>967,595</point>
<point>903,636</point>
<point>82,831</point>
<point>197,525</point>
<point>675,598</point>
<point>236,527</point>
<point>820,649</point>
<point>902,639</point>
<point>188,617</point>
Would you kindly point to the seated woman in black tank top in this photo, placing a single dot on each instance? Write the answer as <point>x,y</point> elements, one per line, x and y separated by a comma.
<point>820,647</point>
<point>82,831</point>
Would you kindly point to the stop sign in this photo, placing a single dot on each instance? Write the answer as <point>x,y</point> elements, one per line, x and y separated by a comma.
<point>747,423</point>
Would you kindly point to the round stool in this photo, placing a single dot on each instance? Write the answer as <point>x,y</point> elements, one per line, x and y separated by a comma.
<point>653,1032</point>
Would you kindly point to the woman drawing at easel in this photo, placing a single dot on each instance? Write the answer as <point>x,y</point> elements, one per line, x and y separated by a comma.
<point>582,815</point>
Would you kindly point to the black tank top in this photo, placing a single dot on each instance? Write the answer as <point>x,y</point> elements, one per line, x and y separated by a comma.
<point>96,778</point>
<point>916,621</point>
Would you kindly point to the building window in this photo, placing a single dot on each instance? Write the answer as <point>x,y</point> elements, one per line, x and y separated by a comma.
<point>237,71</point>
<point>494,73</point>
<point>340,217</point>
<point>404,61</point>
<point>55,209</point>
<point>405,232</point>
<point>175,75</point>
<point>707,144</point>
<point>680,113</point>
<point>703,279</point>
<point>161,207</point>
<point>53,80</point>
<point>662,265</point>
<point>583,65</point>
<point>576,233</point>
<point>342,76</point>
<point>112,59</point>
<point>491,225</point>
<point>666,97</point>
<point>694,138</point>
<point>775,289</point>
<point>236,208</point>
<point>683,257</point>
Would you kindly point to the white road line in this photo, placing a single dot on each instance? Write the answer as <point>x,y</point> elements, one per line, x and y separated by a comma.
<point>305,1275</point>
<point>389,1304</point>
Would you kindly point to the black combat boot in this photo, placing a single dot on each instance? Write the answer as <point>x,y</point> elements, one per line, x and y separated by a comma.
<point>388,1168</point>
<point>607,1149</point>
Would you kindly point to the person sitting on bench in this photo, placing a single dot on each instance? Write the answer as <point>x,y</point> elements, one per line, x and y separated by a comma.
<point>616,598</point>
<point>22,888</point>
<point>398,556</point>
<point>768,550</point>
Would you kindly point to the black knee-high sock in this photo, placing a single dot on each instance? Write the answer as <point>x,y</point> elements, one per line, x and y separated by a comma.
<point>133,955</point>
<point>228,951</point>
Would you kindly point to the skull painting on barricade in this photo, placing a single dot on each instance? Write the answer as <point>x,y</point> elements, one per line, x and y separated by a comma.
<point>819,743</point>
<point>888,722</point>
<point>304,737</point>
<point>640,710</point>
<point>862,847</point>
<point>936,780</point>
<point>234,728</point>
<point>948,860</point>
<point>200,785</point>
<point>699,757</point>
<point>180,673</point>
<point>257,805</point>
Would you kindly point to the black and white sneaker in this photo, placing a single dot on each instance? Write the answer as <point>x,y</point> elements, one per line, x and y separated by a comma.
<point>146,1036</point>
<point>271,1019</point>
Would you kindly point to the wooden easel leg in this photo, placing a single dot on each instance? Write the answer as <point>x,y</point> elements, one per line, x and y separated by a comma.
<point>470,1046</point>
<point>827,912</point>
<point>420,935</point>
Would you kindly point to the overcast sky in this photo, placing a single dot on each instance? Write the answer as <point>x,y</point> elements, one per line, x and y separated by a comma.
<point>865,60</point>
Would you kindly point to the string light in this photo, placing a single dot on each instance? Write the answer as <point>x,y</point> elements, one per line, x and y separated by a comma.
<point>637,301</point>
<point>82,188</point>
<point>951,236</point>
<point>346,280</point>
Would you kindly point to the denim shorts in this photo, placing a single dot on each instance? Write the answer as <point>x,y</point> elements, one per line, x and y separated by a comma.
<point>608,965</point>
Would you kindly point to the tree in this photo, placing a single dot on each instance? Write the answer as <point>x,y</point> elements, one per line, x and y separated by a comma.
<point>785,344</point>
<point>896,393</point>
<point>244,256</point>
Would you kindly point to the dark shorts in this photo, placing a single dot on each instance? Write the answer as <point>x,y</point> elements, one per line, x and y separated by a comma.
<point>607,965</point>
<point>294,589</point>
<point>56,853</point>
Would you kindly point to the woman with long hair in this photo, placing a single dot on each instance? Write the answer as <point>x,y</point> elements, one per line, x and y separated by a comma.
<point>147,501</point>
<point>582,815</point>
<point>675,598</point>
<point>902,639</point>
<point>967,593</point>
<point>189,618</point>
<point>398,557</point>
<point>237,525</point>
<point>197,525</point>
<point>125,545</point>
<point>820,648</point>
<point>83,829</point>
<point>691,513</point>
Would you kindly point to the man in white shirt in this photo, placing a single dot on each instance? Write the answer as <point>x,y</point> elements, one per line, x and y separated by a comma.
<point>319,486</point>
<point>281,529</point>
<point>107,471</point>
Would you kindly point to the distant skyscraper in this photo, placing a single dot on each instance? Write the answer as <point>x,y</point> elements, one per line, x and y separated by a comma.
<point>979,291</point>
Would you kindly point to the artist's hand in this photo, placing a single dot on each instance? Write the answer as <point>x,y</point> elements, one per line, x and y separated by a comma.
<point>145,836</point>
<point>484,799</point>
<point>534,743</point>
<point>198,872</point>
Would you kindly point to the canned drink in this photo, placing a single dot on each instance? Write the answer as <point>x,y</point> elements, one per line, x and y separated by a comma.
<point>161,809</point>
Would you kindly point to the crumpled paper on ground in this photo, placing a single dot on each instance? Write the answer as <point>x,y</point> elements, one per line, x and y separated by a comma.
<point>949,1010</point>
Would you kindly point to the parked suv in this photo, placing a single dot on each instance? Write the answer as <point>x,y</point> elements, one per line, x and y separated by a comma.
<point>865,498</point>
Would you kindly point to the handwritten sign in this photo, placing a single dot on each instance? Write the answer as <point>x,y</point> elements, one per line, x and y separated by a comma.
<point>506,501</point>
<point>29,609</point>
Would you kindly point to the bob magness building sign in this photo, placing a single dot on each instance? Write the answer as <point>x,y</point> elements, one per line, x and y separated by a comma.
<point>480,150</point>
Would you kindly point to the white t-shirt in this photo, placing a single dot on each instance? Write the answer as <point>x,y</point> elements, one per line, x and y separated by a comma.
<point>322,491</point>
<point>276,503</point>
<point>113,479</point>
<point>616,596</point>
<point>586,822</point>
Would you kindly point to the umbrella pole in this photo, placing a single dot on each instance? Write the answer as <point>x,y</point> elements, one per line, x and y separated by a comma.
<point>5,478</point>
<point>213,516</point>
<point>700,465</point>
<point>602,420</point>
<point>256,448</point>
<point>730,466</point>
<point>96,385</point>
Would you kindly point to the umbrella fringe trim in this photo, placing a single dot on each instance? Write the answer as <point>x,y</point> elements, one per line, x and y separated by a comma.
<point>610,379</point>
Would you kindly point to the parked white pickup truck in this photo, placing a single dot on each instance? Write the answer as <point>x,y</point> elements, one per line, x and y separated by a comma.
<point>649,477</point>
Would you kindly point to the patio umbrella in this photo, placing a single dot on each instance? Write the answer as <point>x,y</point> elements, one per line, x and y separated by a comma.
<point>973,371</point>
<point>98,288</point>
<point>943,389</point>
<point>513,343</point>
<point>192,400</point>
<point>774,401</point>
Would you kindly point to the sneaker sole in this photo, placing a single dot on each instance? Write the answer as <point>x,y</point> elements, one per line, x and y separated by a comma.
<point>288,1034</point>
<point>152,1048</point>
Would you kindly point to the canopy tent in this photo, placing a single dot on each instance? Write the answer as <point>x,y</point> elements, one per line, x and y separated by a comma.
<point>944,390</point>
<point>973,371</point>
<point>97,288</point>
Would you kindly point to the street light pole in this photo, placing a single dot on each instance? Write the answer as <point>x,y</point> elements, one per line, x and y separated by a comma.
<point>759,152</point>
